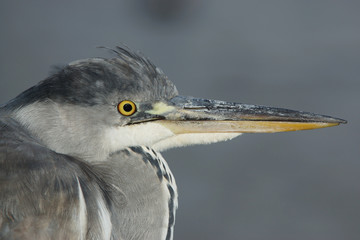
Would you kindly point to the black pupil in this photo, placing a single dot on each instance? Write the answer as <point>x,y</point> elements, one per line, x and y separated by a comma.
<point>127,107</point>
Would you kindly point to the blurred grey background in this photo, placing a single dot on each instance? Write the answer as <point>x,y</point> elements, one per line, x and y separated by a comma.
<point>301,54</point>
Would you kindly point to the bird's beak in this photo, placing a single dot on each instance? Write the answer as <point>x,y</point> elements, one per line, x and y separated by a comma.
<point>193,115</point>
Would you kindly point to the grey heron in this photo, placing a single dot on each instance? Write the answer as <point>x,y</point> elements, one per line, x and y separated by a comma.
<point>80,151</point>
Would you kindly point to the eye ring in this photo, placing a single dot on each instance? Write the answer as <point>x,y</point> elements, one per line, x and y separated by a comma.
<point>126,107</point>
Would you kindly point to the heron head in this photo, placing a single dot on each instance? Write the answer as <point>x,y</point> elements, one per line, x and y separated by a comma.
<point>96,106</point>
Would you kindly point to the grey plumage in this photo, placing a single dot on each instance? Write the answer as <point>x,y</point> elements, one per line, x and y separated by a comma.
<point>40,187</point>
<point>96,81</point>
<point>40,192</point>
<point>74,166</point>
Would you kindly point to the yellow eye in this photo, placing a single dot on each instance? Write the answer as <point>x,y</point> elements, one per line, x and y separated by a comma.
<point>127,108</point>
